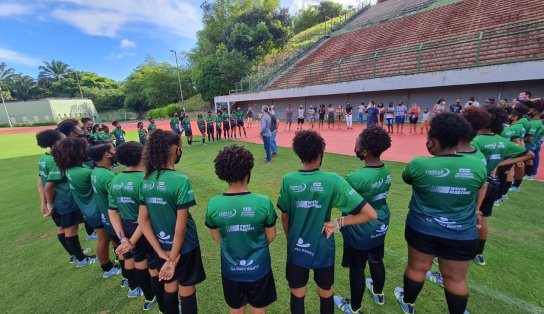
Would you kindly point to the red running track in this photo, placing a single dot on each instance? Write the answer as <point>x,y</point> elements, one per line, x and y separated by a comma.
<point>404,146</point>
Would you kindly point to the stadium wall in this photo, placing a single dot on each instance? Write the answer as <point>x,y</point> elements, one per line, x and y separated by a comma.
<point>47,110</point>
<point>500,81</point>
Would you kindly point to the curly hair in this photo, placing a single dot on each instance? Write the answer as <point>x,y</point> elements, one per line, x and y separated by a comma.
<point>129,153</point>
<point>233,163</point>
<point>308,145</point>
<point>97,150</point>
<point>477,117</point>
<point>448,129</point>
<point>70,152</point>
<point>156,150</point>
<point>519,111</point>
<point>498,119</point>
<point>67,126</point>
<point>537,104</point>
<point>48,138</point>
<point>373,139</point>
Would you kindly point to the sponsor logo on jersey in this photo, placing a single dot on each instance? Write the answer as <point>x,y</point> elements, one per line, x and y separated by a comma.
<point>380,232</point>
<point>308,204</point>
<point>495,157</point>
<point>164,238</point>
<point>125,200</point>
<point>129,186</point>
<point>240,228</point>
<point>148,186</point>
<point>246,263</point>
<point>298,188</point>
<point>247,212</point>
<point>317,187</point>
<point>161,186</point>
<point>118,186</point>
<point>501,145</point>
<point>228,213</point>
<point>388,179</point>
<point>380,197</point>
<point>449,190</point>
<point>446,223</point>
<point>464,173</point>
<point>438,173</point>
<point>377,184</point>
<point>491,146</point>
<point>156,200</point>
<point>300,243</point>
<point>352,192</point>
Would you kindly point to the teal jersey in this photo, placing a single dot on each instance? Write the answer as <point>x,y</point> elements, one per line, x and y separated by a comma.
<point>48,171</point>
<point>241,220</point>
<point>239,115</point>
<point>124,194</point>
<point>101,181</point>
<point>307,197</point>
<point>186,123</point>
<point>151,127</point>
<point>525,122</point>
<point>444,195</point>
<point>496,149</point>
<point>174,121</point>
<point>107,136</point>
<point>476,154</point>
<point>119,134</point>
<point>82,191</point>
<point>164,196</point>
<point>96,136</point>
<point>210,120</point>
<point>225,117</point>
<point>534,129</point>
<point>200,122</point>
<point>373,184</point>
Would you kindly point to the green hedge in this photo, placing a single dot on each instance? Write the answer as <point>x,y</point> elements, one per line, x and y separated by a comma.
<point>163,112</point>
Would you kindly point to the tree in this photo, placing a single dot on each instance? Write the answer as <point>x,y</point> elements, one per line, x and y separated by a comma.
<point>317,13</point>
<point>52,72</point>
<point>23,87</point>
<point>5,74</point>
<point>69,87</point>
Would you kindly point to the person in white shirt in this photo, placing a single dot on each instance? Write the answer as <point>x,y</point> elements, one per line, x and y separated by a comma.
<point>300,117</point>
<point>311,116</point>
<point>361,111</point>
<point>472,102</point>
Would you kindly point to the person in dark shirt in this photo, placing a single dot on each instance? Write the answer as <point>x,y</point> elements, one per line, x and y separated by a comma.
<point>371,114</point>
<point>349,115</point>
<point>457,107</point>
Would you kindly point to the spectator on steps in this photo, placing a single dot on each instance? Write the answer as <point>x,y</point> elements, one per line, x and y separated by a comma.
<point>361,112</point>
<point>456,107</point>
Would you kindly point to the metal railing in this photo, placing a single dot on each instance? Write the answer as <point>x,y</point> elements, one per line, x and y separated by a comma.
<point>506,44</point>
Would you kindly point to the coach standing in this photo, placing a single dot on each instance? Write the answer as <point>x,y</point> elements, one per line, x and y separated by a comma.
<point>349,115</point>
<point>265,132</point>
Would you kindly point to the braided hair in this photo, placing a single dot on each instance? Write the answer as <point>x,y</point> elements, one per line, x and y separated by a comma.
<point>156,150</point>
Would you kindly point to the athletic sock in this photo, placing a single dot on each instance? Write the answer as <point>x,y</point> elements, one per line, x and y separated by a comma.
<point>171,304</point>
<point>88,229</point>
<point>529,170</point>
<point>297,305</point>
<point>75,247</point>
<point>357,287</point>
<point>123,270</point>
<point>507,186</point>
<point>377,272</point>
<point>107,267</point>
<point>411,290</point>
<point>131,277</point>
<point>144,282</point>
<point>158,290</point>
<point>326,305</point>
<point>188,304</point>
<point>481,246</point>
<point>517,183</point>
<point>456,304</point>
<point>203,140</point>
<point>62,241</point>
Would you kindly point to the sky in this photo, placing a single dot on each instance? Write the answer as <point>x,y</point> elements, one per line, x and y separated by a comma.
<point>108,37</point>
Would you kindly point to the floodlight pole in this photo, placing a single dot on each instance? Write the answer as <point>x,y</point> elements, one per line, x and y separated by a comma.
<point>78,84</point>
<point>179,78</point>
<point>5,108</point>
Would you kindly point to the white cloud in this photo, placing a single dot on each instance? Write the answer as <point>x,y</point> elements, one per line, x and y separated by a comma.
<point>125,43</point>
<point>118,56</point>
<point>109,18</point>
<point>11,9</point>
<point>10,56</point>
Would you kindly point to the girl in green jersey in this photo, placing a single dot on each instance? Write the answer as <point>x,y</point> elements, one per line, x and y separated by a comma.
<point>142,133</point>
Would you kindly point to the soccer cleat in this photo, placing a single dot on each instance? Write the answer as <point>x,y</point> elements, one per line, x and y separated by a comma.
<point>528,178</point>
<point>480,260</point>
<point>435,261</point>
<point>505,197</point>
<point>515,189</point>
<point>86,250</point>
<point>436,277</point>
<point>114,271</point>
<point>148,305</point>
<point>134,293</point>
<point>73,259</point>
<point>497,202</point>
<point>378,298</point>
<point>124,283</point>
<point>405,307</point>
<point>86,262</point>
<point>91,236</point>
<point>344,305</point>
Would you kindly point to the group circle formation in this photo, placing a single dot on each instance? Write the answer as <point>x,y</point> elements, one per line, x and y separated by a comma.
<point>144,210</point>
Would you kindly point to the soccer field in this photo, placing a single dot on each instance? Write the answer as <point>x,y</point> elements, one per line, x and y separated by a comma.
<point>37,278</point>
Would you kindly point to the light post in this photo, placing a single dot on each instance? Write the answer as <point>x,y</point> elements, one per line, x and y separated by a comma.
<point>179,78</point>
<point>78,84</point>
<point>5,108</point>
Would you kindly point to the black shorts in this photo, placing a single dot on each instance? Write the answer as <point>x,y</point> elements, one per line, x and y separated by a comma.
<point>202,130</point>
<point>240,122</point>
<point>297,276</point>
<point>142,249</point>
<point>355,258</point>
<point>188,132</point>
<point>210,128</point>
<point>301,121</point>
<point>226,126</point>
<point>455,250</point>
<point>413,120</point>
<point>67,220</point>
<point>189,270</point>
<point>259,294</point>
<point>491,195</point>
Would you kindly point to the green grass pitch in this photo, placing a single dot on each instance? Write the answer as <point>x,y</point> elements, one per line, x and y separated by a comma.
<point>37,278</point>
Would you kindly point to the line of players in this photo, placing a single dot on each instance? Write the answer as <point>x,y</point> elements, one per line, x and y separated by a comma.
<point>145,215</point>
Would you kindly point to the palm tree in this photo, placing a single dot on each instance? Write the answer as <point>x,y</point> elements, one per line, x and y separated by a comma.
<point>5,73</point>
<point>52,72</point>
<point>23,87</point>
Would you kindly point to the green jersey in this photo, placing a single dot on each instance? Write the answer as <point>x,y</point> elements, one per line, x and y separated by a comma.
<point>142,135</point>
<point>534,129</point>
<point>241,220</point>
<point>225,117</point>
<point>151,127</point>
<point>174,122</point>
<point>48,171</point>
<point>124,194</point>
<point>200,122</point>
<point>107,136</point>
<point>516,131</point>
<point>164,196</point>
<point>496,149</point>
<point>82,191</point>
<point>239,115</point>
<point>101,181</point>
<point>373,184</point>
<point>476,154</point>
<point>186,123</point>
<point>307,197</point>
<point>444,195</point>
<point>119,135</point>
<point>210,120</point>
<point>525,122</point>
<point>96,136</point>
<point>506,132</point>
